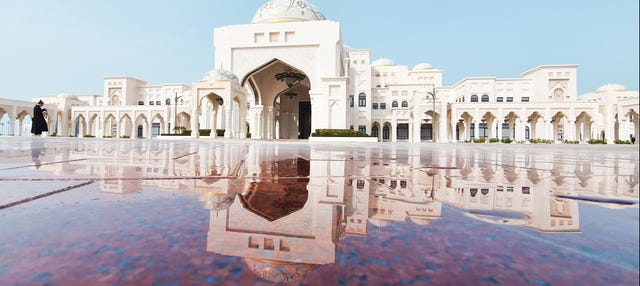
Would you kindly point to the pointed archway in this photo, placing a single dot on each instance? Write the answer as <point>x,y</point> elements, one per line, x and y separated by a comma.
<point>281,95</point>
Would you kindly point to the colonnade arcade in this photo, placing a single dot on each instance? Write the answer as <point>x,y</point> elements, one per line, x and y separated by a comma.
<point>552,124</point>
<point>120,124</point>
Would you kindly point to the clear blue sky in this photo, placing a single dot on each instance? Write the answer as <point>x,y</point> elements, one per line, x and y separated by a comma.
<point>49,47</point>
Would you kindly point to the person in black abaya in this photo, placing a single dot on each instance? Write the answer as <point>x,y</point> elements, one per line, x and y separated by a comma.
<point>38,123</point>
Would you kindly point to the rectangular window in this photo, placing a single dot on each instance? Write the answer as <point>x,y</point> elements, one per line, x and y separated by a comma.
<point>140,102</point>
<point>158,102</point>
<point>351,127</point>
<point>151,102</point>
<point>374,106</point>
<point>351,101</point>
<point>525,99</point>
<point>484,132</point>
<point>383,105</point>
<point>362,129</point>
<point>500,99</point>
<point>155,129</point>
<point>509,99</point>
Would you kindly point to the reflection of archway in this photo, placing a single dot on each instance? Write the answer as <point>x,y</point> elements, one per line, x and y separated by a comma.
<point>287,103</point>
<point>278,198</point>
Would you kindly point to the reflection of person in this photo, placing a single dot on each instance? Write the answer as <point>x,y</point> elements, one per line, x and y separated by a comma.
<point>38,124</point>
<point>37,150</point>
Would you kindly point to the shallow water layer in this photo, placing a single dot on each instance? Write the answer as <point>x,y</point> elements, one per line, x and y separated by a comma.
<point>138,212</point>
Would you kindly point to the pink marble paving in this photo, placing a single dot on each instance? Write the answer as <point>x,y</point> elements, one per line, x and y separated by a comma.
<point>151,212</point>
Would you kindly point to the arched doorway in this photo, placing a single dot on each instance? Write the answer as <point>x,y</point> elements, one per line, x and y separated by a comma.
<point>283,91</point>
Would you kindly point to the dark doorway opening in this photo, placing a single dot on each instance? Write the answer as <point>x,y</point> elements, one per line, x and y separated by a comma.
<point>304,121</point>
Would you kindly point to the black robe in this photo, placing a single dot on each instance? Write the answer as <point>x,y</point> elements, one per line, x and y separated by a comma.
<point>38,124</point>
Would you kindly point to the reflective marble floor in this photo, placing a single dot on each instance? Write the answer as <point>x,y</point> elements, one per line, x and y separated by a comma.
<point>141,212</point>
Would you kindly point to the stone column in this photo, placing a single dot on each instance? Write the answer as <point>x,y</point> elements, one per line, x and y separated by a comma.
<point>270,121</point>
<point>442,130</point>
<point>415,129</point>
<point>394,130</point>
<point>228,123</point>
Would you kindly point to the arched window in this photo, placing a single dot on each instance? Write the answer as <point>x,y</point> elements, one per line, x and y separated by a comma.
<point>405,103</point>
<point>474,98</point>
<point>485,98</point>
<point>394,104</point>
<point>168,101</point>
<point>362,100</point>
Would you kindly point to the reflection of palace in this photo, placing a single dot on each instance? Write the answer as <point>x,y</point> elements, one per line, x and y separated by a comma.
<point>284,207</point>
<point>289,72</point>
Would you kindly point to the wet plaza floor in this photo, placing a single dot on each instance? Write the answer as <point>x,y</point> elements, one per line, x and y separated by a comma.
<point>185,212</point>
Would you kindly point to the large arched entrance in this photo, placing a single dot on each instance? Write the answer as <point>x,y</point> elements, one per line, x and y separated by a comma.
<point>282,101</point>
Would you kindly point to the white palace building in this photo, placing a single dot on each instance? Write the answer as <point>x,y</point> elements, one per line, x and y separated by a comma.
<point>288,73</point>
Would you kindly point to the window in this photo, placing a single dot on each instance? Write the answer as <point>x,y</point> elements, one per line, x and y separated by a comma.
<point>473,131</point>
<point>362,128</point>
<point>374,106</point>
<point>505,130</point>
<point>509,99</point>
<point>500,99</point>
<point>482,129</point>
<point>151,102</point>
<point>141,102</point>
<point>350,100</point>
<point>405,103</point>
<point>474,98</point>
<point>394,104</point>
<point>155,129</point>
<point>402,131</point>
<point>525,99</point>
<point>362,100</point>
<point>167,102</point>
<point>158,102</point>
<point>383,105</point>
<point>485,98</point>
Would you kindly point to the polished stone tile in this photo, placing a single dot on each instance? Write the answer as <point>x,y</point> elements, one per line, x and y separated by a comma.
<point>100,211</point>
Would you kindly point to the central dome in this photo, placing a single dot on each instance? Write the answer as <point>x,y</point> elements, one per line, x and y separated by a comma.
<point>287,11</point>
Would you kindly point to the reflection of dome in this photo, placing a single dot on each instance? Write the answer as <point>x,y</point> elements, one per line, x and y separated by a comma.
<point>279,271</point>
<point>422,66</point>
<point>379,223</point>
<point>383,62</point>
<point>611,87</point>
<point>420,220</point>
<point>287,11</point>
<point>220,74</point>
